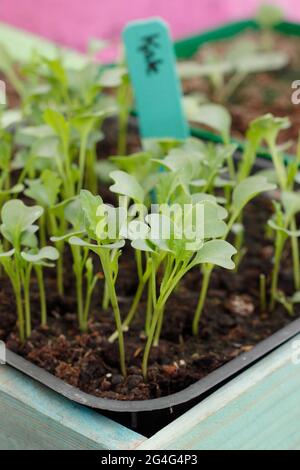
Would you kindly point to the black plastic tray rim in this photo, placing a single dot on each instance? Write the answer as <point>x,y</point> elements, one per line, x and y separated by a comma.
<point>212,380</point>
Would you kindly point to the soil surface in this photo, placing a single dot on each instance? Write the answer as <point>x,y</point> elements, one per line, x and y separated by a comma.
<point>259,93</point>
<point>232,323</point>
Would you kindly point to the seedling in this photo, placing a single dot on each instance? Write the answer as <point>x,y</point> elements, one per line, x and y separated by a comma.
<point>243,193</point>
<point>180,255</point>
<point>268,16</point>
<point>283,219</point>
<point>108,250</point>
<point>239,62</point>
<point>73,214</point>
<point>19,230</point>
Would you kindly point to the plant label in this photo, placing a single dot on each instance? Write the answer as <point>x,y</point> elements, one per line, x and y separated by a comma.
<point>152,68</point>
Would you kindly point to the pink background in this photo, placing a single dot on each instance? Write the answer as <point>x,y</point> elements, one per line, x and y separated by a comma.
<point>74,22</point>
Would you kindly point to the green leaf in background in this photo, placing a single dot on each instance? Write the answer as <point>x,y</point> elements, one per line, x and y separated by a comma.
<point>291,203</point>
<point>112,77</point>
<point>212,115</point>
<point>58,123</point>
<point>269,15</point>
<point>268,126</point>
<point>138,164</point>
<point>45,190</point>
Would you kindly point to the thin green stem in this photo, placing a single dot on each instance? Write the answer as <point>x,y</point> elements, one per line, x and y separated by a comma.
<point>295,255</point>
<point>60,247</point>
<point>278,163</point>
<point>91,174</point>
<point>159,307</point>
<point>82,159</point>
<point>263,293</point>
<point>207,270</point>
<point>41,285</point>
<point>25,275</point>
<point>131,314</point>
<point>42,224</point>
<point>20,310</point>
<point>106,299</point>
<point>77,268</point>
<point>279,245</point>
<point>88,301</point>
<point>106,265</point>
<point>139,264</point>
<point>149,342</point>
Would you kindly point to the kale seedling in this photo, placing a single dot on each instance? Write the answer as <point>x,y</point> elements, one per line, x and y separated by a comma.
<point>180,254</point>
<point>243,193</point>
<point>98,220</point>
<point>19,230</point>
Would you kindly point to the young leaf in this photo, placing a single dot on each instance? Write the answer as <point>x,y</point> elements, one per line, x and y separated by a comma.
<point>17,218</point>
<point>248,189</point>
<point>291,204</point>
<point>138,164</point>
<point>96,248</point>
<point>216,252</point>
<point>127,185</point>
<point>44,190</point>
<point>58,123</point>
<point>90,204</point>
<point>46,253</point>
<point>215,116</point>
<point>269,15</point>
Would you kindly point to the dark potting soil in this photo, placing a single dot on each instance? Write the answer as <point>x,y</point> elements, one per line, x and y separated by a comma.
<point>232,323</point>
<point>259,93</point>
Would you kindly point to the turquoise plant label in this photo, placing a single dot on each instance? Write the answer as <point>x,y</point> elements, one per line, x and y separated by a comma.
<point>151,63</point>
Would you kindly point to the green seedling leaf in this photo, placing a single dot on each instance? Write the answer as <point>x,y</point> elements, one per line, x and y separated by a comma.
<point>214,226</point>
<point>137,164</point>
<point>215,116</point>
<point>26,135</point>
<point>58,123</point>
<point>190,69</point>
<point>74,214</point>
<point>112,77</point>
<point>249,189</point>
<point>127,185</point>
<point>269,15</point>
<point>46,253</point>
<point>18,188</point>
<point>67,236</point>
<point>10,117</point>
<point>17,218</point>
<point>295,299</point>
<point>96,248</point>
<point>262,61</point>
<point>45,190</point>
<point>291,204</point>
<point>268,126</point>
<point>90,204</point>
<point>279,228</point>
<point>161,231</point>
<point>216,252</point>
<point>7,254</point>
<point>57,71</point>
<point>28,238</point>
